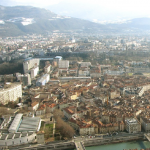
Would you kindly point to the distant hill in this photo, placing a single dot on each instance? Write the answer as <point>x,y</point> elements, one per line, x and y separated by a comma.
<point>21,20</point>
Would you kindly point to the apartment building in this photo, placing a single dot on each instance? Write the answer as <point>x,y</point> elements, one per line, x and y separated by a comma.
<point>133,125</point>
<point>10,92</point>
<point>63,64</point>
<point>29,64</point>
<point>145,122</point>
<point>43,80</point>
<point>34,71</point>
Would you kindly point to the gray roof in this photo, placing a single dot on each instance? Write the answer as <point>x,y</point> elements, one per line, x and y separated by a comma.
<point>14,126</point>
<point>29,124</point>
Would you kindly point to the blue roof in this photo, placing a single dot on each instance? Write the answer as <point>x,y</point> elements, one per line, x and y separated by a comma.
<point>29,58</point>
<point>58,57</point>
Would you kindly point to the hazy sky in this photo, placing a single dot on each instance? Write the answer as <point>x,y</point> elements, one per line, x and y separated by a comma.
<point>91,9</point>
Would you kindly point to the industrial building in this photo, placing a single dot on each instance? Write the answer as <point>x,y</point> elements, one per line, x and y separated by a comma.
<point>43,80</point>
<point>10,92</point>
<point>19,130</point>
<point>15,124</point>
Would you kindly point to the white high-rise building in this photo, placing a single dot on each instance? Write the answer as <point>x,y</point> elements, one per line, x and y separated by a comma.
<point>26,79</point>
<point>29,64</point>
<point>34,72</point>
<point>63,64</point>
<point>10,92</point>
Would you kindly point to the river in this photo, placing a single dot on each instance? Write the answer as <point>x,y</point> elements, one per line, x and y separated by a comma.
<point>120,146</point>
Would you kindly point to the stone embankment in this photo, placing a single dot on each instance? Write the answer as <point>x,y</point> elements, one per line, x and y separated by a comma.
<point>96,142</point>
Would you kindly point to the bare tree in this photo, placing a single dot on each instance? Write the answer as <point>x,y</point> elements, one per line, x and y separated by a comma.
<point>5,111</point>
<point>65,129</point>
<point>58,113</point>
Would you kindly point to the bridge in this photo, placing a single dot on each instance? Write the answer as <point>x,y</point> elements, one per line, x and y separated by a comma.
<point>79,146</point>
<point>147,135</point>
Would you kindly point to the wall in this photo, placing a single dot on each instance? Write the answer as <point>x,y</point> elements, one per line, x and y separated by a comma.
<point>18,141</point>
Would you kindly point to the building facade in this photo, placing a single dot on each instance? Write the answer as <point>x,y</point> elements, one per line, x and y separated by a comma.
<point>133,125</point>
<point>43,80</point>
<point>29,64</point>
<point>11,92</point>
<point>34,72</point>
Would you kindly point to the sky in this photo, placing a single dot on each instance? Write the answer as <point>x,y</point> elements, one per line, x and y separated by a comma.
<point>98,10</point>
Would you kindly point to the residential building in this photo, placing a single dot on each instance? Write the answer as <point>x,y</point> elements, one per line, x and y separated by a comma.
<point>10,92</point>
<point>26,79</point>
<point>34,106</point>
<point>133,125</point>
<point>63,64</point>
<point>29,64</point>
<point>34,72</point>
<point>86,130</point>
<point>145,122</point>
<point>47,68</point>
<point>43,80</point>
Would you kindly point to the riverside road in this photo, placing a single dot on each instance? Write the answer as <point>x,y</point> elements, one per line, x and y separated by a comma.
<point>87,141</point>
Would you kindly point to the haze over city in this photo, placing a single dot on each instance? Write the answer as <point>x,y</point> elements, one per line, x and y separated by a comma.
<point>96,10</point>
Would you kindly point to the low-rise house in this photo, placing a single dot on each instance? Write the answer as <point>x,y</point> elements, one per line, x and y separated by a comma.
<point>34,106</point>
<point>73,95</point>
<point>41,110</point>
<point>114,94</point>
<point>62,105</point>
<point>50,107</point>
<point>74,124</point>
<point>69,112</point>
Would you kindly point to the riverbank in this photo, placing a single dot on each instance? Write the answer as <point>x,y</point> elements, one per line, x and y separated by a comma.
<point>98,142</point>
<point>132,145</point>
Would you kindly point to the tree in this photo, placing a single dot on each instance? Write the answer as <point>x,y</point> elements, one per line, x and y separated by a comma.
<point>65,129</point>
<point>5,111</point>
<point>58,113</point>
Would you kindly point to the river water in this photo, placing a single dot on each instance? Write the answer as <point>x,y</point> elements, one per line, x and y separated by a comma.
<point>122,146</point>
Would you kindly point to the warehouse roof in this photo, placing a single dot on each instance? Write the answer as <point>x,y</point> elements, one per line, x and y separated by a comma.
<point>15,124</point>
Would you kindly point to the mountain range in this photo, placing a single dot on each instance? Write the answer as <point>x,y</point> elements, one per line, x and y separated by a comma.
<point>22,20</point>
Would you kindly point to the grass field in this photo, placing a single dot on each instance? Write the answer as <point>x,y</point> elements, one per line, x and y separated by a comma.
<point>130,74</point>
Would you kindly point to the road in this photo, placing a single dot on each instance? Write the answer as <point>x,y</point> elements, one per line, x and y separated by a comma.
<point>120,136</point>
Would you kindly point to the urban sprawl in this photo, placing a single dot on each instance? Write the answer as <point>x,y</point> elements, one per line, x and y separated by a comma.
<point>64,86</point>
